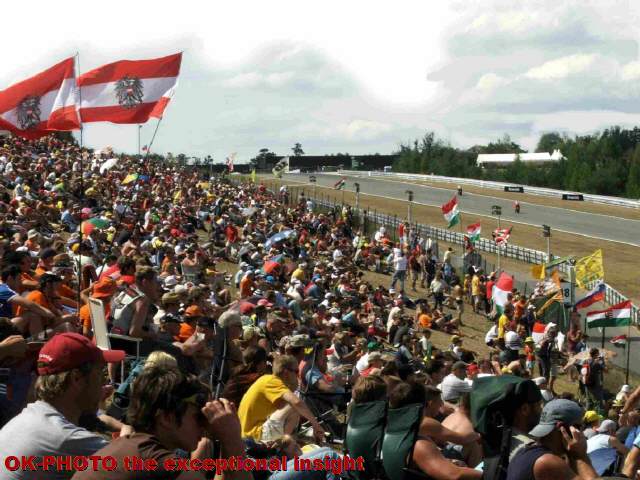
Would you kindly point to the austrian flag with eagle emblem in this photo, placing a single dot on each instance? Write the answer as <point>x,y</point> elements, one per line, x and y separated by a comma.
<point>128,91</point>
<point>41,104</point>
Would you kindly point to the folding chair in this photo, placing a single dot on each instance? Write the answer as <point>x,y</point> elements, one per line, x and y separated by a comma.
<point>399,439</point>
<point>365,433</point>
<point>102,336</point>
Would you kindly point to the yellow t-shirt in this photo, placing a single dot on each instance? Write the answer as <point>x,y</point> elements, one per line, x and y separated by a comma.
<point>503,321</point>
<point>475,285</point>
<point>258,403</point>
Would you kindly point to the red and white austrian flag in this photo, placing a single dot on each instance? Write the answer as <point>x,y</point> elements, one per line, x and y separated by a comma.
<point>41,104</point>
<point>128,91</point>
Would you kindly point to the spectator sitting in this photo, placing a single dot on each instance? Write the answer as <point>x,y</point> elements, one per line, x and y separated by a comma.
<point>425,455</point>
<point>69,385</point>
<point>269,409</point>
<point>605,438</point>
<point>454,384</point>
<point>171,411</point>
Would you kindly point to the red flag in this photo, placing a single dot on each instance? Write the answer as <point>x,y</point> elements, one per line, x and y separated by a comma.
<point>128,91</point>
<point>41,104</point>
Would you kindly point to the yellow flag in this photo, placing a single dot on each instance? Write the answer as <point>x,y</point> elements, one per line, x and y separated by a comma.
<point>538,271</point>
<point>253,175</point>
<point>177,196</point>
<point>589,268</point>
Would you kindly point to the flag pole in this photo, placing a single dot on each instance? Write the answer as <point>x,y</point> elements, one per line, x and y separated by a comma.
<point>79,289</point>
<point>628,345</point>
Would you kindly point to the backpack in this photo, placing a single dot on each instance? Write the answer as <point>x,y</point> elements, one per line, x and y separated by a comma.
<point>493,404</point>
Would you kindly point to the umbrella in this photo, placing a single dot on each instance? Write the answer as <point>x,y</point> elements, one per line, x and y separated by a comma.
<point>108,165</point>
<point>270,267</point>
<point>90,225</point>
<point>584,355</point>
<point>279,237</point>
<point>132,177</point>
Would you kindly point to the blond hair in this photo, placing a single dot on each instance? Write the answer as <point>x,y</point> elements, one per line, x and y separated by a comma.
<point>160,359</point>
<point>282,363</point>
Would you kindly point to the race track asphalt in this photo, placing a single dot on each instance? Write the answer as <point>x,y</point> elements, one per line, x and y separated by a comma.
<point>593,225</point>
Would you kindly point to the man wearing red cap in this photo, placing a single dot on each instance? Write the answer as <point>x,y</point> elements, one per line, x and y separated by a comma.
<point>70,370</point>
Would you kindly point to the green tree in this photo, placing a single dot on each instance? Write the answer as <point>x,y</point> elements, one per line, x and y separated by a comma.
<point>633,180</point>
<point>297,150</point>
<point>549,142</point>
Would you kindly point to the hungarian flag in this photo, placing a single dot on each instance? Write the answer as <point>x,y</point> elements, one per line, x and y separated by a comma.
<point>41,104</point>
<point>501,289</point>
<point>501,235</point>
<point>594,296</point>
<point>473,232</point>
<point>128,91</point>
<point>616,316</point>
<point>451,212</point>
<point>339,185</point>
<point>619,341</point>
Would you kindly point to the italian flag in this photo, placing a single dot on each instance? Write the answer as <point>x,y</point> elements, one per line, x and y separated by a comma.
<point>451,212</point>
<point>340,184</point>
<point>473,232</point>
<point>616,316</point>
<point>501,289</point>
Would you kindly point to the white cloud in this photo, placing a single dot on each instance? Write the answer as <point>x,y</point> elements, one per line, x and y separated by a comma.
<point>631,71</point>
<point>490,81</point>
<point>244,80</point>
<point>562,67</point>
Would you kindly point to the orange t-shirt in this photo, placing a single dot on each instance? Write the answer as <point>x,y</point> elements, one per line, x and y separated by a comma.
<point>26,277</point>
<point>186,331</point>
<point>38,297</point>
<point>425,320</point>
<point>245,287</point>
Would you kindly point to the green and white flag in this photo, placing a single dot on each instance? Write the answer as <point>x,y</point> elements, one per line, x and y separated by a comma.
<point>501,290</point>
<point>616,316</point>
<point>473,232</point>
<point>451,212</point>
<point>339,185</point>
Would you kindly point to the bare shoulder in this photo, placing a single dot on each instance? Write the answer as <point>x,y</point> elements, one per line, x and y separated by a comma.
<point>552,467</point>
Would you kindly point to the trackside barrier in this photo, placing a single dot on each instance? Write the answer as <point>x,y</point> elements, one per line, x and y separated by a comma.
<point>545,192</point>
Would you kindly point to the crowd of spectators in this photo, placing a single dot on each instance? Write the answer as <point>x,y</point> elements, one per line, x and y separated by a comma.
<point>243,322</point>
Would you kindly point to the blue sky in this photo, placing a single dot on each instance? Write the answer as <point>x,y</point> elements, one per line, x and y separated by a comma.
<point>357,77</point>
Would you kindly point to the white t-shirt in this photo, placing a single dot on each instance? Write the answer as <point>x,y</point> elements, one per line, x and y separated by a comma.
<point>598,441</point>
<point>41,430</point>
<point>363,363</point>
<point>400,264</point>
<point>392,314</point>
<point>492,334</point>
<point>452,387</point>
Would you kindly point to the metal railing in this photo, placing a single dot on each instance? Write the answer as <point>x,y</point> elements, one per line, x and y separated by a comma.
<point>546,192</point>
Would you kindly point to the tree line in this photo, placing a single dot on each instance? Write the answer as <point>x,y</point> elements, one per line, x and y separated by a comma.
<point>603,163</point>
